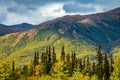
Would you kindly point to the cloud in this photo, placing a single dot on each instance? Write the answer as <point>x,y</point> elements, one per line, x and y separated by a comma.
<point>39,2</point>
<point>36,12</point>
<point>90,6</point>
<point>3,13</point>
<point>34,16</point>
<point>81,8</point>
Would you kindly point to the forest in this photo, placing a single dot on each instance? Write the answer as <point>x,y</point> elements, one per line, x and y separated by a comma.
<point>47,66</point>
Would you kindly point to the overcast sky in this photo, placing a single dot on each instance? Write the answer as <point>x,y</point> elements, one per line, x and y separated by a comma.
<point>38,11</point>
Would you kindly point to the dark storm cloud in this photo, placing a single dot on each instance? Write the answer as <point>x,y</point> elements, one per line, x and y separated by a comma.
<point>76,7</point>
<point>84,5</point>
<point>21,9</point>
<point>85,1</point>
<point>38,2</point>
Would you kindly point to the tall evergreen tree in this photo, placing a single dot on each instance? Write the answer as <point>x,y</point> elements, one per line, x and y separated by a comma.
<point>68,58</point>
<point>44,62</point>
<point>111,63</point>
<point>84,62</point>
<point>49,62</point>
<point>75,61</point>
<point>80,65</point>
<point>35,59</point>
<point>93,68</point>
<point>88,61</point>
<point>88,66</point>
<point>31,68</point>
<point>68,64</point>
<point>54,55</point>
<point>106,68</point>
<point>14,74</point>
<point>13,66</point>
<point>42,57</point>
<point>62,54</point>
<point>99,66</point>
<point>73,57</point>
<point>25,70</point>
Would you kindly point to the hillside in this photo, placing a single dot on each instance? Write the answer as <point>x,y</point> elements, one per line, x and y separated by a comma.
<point>4,29</point>
<point>80,33</point>
<point>100,28</point>
<point>21,46</point>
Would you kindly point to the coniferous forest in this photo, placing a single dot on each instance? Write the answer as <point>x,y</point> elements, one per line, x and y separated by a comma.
<point>46,66</point>
<point>59,39</point>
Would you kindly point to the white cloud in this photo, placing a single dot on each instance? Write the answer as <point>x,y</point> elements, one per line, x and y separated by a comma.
<point>40,13</point>
<point>52,9</point>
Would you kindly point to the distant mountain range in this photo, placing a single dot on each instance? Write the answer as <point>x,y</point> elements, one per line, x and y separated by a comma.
<point>81,33</point>
<point>4,29</point>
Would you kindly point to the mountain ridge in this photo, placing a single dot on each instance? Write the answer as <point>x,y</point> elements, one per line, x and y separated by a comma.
<point>4,29</point>
<point>104,23</point>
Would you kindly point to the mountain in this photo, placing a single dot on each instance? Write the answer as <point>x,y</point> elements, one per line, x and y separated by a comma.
<point>80,33</point>
<point>101,28</point>
<point>4,29</point>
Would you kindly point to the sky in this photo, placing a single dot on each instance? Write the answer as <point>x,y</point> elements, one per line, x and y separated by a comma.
<point>37,11</point>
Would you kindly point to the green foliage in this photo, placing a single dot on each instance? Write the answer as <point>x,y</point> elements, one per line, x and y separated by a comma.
<point>5,71</point>
<point>116,72</point>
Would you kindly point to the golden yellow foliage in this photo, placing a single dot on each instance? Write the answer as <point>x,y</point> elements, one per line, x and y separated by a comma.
<point>37,70</point>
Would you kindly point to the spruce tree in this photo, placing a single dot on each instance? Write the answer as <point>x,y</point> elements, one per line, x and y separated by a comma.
<point>93,68</point>
<point>75,61</point>
<point>68,63</point>
<point>84,63</point>
<point>62,54</point>
<point>88,66</point>
<point>25,70</point>
<point>13,75</point>
<point>111,63</point>
<point>106,68</point>
<point>44,62</point>
<point>88,61</point>
<point>31,68</point>
<point>73,57</point>
<point>35,59</point>
<point>54,55</point>
<point>49,63</point>
<point>68,58</point>
<point>99,66</point>
<point>42,57</point>
<point>13,66</point>
<point>80,65</point>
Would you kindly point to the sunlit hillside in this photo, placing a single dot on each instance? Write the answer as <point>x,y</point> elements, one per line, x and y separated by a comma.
<point>21,46</point>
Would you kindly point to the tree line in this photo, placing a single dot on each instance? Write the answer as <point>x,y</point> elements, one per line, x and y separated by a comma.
<point>47,63</point>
